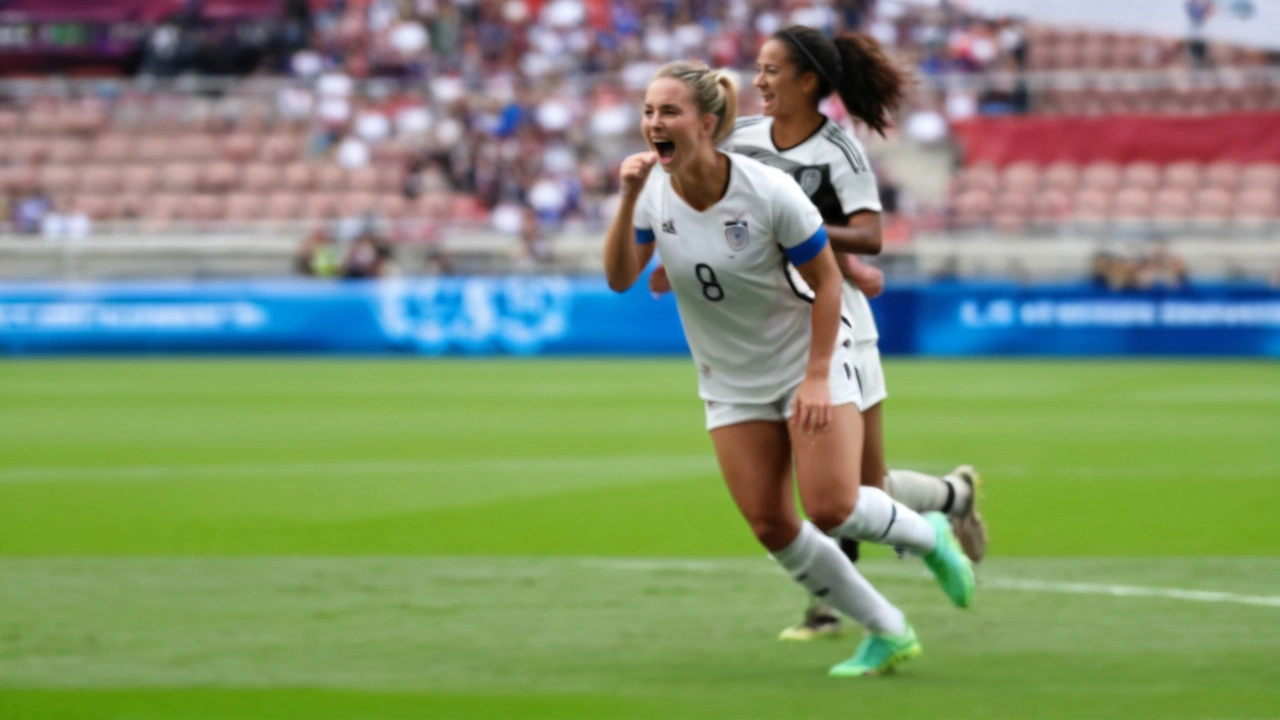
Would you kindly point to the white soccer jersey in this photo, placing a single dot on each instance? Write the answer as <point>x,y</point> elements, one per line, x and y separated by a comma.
<point>832,168</point>
<point>748,328</point>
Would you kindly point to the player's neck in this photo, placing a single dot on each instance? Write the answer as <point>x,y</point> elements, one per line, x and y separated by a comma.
<point>702,182</point>
<point>791,130</point>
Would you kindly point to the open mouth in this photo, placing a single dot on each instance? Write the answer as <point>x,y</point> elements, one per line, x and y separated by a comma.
<point>767,100</point>
<point>665,149</point>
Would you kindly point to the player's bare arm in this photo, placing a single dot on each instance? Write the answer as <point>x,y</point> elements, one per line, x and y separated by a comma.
<point>624,259</point>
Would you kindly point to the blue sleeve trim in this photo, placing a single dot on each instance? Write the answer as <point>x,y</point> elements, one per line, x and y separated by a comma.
<point>809,249</point>
<point>643,236</point>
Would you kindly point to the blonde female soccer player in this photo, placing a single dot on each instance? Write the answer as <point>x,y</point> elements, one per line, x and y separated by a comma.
<point>796,69</point>
<point>774,363</point>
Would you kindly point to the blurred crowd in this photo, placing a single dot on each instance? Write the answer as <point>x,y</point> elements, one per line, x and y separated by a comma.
<point>512,115</point>
<point>1152,267</point>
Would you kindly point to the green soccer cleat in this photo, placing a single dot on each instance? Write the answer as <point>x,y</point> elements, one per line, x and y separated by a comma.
<point>820,622</point>
<point>970,529</point>
<point>879,655</point>
<point>948,562</point>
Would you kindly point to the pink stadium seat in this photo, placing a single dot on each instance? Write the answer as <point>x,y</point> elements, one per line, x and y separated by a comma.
<point>179,177</point>
<point>1063,176</point>
<point>392,205</point>
<point>972,209</point>
<point>1131,203</point>
<point>1224,175</point>
<point>244,206</point>
<point>983,176</point>
<point>389,153</point>
<point>239,147</point>
<point>1020,177</point>
<point>1171,205</point>
<point>1213,205</point>
<point>1010,223</point>
<point>363,179</point>
<point>28,150</point>
<point>152,149</point>
<point>320,206</point>
<point>390,178</point>
<point>260,177</point>
<point>220,176</point>
<point>97,207</point>
<point>9,123</point>
<point>1260,176</point>
<point>140,179</point>
<point>59,179</point>
<point>281,147</point>
<point>194,147</point>
<point>1092,205</point>
<point>1142,175</point>
<point>68,151</point>
<point>112,147</point>
<point>1102,176</point>
<point>205,207</point>
<point>100,179</point>
<point>1050,207</point>
<point>160,212</point>
<point>299,176</point>
<point>283,206</point>
<point>331,178</point>
<point>1257,206</point>
<point>355,204</point>
<point>1182,175</point>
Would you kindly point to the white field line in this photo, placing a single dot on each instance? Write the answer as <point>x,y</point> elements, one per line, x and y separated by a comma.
<point>985,582</point>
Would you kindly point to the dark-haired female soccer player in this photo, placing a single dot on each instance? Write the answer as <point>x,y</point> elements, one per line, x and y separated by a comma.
<point>774,361</point>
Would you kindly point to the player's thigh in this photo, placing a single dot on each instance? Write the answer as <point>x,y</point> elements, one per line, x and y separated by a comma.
<point>871,386</point>
<point>873,461</point>
<point>828,466</point>
<point>755,460</point>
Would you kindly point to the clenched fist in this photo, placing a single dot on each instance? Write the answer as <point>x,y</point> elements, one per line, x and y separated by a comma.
<point>635,170</point>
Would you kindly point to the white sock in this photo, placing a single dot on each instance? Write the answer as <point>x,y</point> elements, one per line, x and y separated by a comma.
<point>927,493</point>
<point>878,518</point>
<point>814,561</point>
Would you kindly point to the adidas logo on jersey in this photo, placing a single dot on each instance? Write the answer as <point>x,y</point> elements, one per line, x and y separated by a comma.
<point>669,227</point>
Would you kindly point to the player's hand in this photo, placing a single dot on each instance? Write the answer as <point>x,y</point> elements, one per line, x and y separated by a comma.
<point>870,281</point>
<point>659,283</point>
<point>635,170</point>
<point>811,410</point>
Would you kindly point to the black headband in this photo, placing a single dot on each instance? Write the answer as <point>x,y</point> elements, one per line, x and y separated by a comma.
<point>817,66</point>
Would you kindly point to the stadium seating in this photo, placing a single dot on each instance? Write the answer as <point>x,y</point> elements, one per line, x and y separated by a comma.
<point>1177,196</point>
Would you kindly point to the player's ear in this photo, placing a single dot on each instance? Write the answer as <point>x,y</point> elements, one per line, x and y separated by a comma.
<point>709,124</point>
<point>809,82</point>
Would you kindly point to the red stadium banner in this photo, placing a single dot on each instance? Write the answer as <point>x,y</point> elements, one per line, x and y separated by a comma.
<point>1241,137</point>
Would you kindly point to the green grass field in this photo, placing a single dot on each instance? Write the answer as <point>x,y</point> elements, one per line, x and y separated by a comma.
<point>535,539</point>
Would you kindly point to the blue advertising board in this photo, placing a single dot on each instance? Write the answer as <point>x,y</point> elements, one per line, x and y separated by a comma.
<point>533,315</point>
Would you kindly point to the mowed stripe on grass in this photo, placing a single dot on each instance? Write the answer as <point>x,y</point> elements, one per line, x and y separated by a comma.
<point>608,629</point>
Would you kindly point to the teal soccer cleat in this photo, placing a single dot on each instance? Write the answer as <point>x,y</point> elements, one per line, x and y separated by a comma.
<point>879,655</point>
<point>948,562</point>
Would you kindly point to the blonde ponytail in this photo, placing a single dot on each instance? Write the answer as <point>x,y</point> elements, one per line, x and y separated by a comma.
<point>727,85</point>
<point>715,92</point>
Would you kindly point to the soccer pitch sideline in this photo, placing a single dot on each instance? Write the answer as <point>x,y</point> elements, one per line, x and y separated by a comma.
<point>550,539</point>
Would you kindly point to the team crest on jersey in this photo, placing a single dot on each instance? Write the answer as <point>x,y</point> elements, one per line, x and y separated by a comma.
<point>735,232</point>
<point>810,180</point>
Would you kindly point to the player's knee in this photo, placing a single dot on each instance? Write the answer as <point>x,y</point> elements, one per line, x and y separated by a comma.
<point>774,531</point>
<point>829,513</point>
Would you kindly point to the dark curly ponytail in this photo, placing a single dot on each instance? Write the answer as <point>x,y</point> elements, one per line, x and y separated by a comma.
<point>854,66</point>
